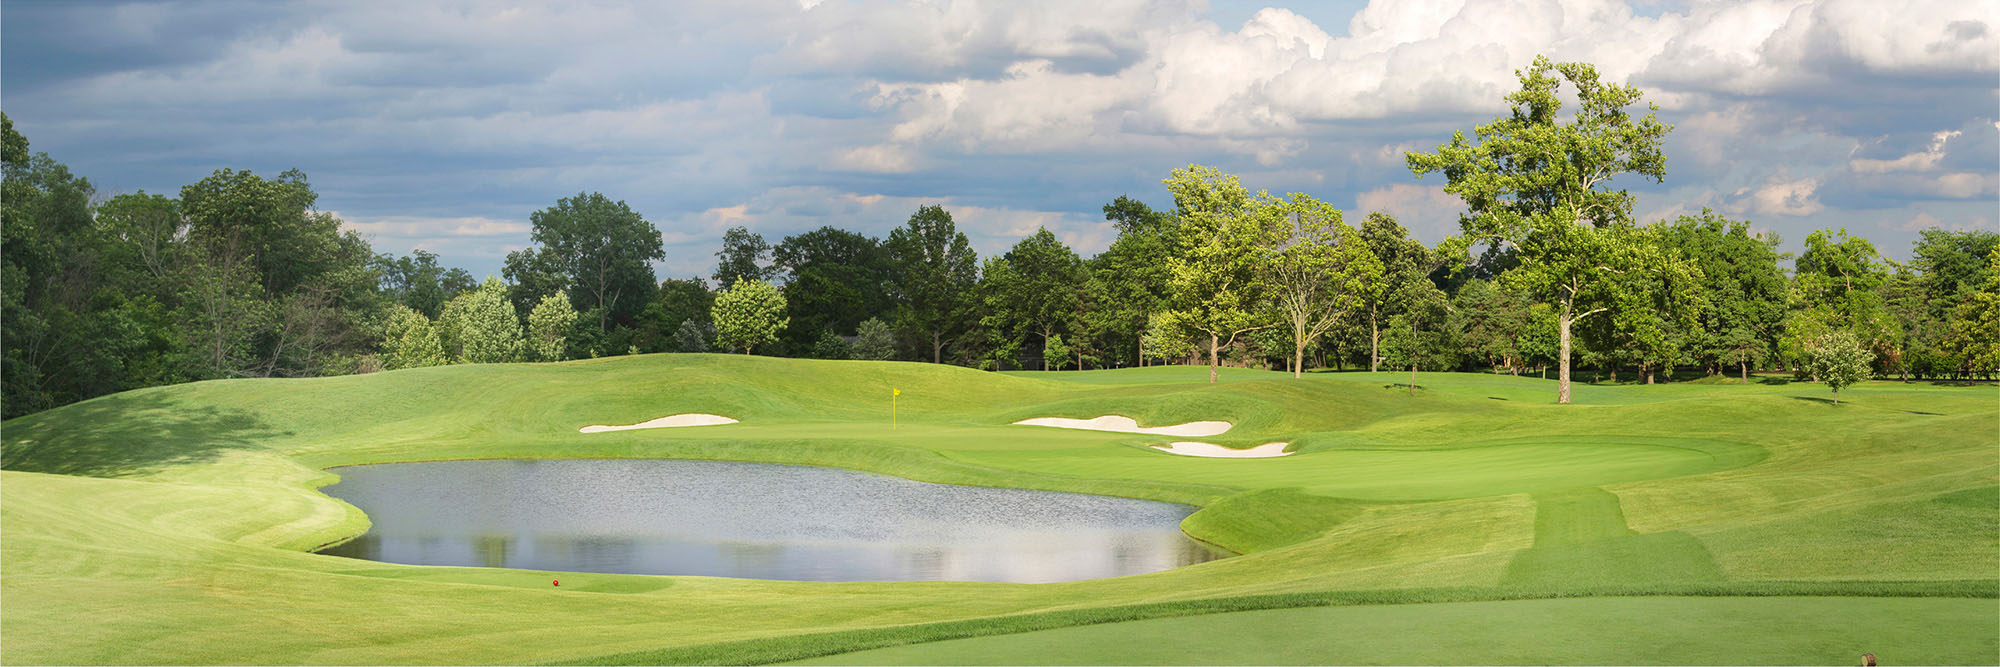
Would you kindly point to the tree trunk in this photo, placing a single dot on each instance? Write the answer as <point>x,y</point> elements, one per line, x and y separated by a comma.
<point>937,347</point>
<point>1413,380</point>
<point>1298,359</point>
<point>1562,356</point>
<point>1214,342</point>
<point>1374,342</point>
<point>1745,365</point>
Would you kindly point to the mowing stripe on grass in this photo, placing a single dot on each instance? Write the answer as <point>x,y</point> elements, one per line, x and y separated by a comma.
<point>1581,539</point>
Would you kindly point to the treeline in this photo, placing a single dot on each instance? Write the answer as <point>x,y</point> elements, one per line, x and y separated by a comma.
<point>240,276</point>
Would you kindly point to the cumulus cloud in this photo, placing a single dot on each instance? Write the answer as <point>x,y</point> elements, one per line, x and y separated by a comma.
<point>1427,211</point>
<point>1797,112</point>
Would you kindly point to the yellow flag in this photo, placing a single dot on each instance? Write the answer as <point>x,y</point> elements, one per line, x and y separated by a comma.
<point>899,392</point>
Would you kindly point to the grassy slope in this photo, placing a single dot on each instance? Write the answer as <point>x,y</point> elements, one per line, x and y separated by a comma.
<point>164,525</point>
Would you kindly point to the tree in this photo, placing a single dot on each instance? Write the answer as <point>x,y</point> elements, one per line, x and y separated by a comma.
<point>1054,353</point>
<point>694,336</point>
<point>1384,286</point>
<point>481,327</point>
<point>1975,326</point>
<point>548,328</point>
<point>1033,288</point>
<point>1226,240</point>
<point>604,247</point>
<point>1743,289</point>
<point>744,254</point>
<point>1540,184</point>
<point>748,314</point>
<point>934,273</point>
<point>1319,274</point>
<point>418,282</point>
<point>1839,360</point>
<point>410,340</point>
<point>830,346</point>
<point>873,341</point>
<point>1130,278</point>
<point>834,279</point>
<point>678,301</point>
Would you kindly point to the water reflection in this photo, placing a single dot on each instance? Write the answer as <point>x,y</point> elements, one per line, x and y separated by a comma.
<point>750,520</point>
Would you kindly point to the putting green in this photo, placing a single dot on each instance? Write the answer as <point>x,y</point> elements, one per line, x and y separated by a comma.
<point>173,524</point>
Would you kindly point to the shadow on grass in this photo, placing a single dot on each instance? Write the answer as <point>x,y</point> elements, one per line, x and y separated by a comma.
<point>125,434</point>
<point>1814,399</point>
<point>1774,380</point>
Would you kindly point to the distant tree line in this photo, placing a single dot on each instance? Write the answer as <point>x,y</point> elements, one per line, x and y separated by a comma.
<point>241,276</point>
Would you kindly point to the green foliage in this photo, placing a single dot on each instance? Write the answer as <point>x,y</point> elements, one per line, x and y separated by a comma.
<point>1320,275</point>
<point>831,346</point>
<point>748,314</point>
<point>1218,274</point>
<point>1054,353</point>
<point>744,255</point>
<point>834,279</point>
<point>1032,290</point>
<point>548,328</point>
<point>479,327</point>
<point>934,275</point>
<point>602,248</point>
<point>410,340</point>
<point>874,341</point>
<point>419,282</point>
<point>694,336</point>
<point>1975,329</point>
<point>1539,181</point>
<point>1839,361</point>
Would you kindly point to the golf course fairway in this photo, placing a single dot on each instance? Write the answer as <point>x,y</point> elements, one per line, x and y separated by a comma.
<point>1476,522</point>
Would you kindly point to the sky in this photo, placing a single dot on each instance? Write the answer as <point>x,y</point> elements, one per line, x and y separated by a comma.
<point>444,125</point>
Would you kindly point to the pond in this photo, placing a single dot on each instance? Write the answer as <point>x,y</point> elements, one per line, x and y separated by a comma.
<point>750,520</point>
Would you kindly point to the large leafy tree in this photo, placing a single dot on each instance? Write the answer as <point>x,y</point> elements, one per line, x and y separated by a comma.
<point>549,325</point>
<point>834,279</point>
<point>410,340</point>
<point>933,275</point>
<point>1319,275</point>
<point>1539,181</point>
<point>1033,290</point>
<point>748,314</point>
<point>605,248</point>
<point>1226,239</point>
<point>419,282</point>
<point>480,326</point>
<point>1129,280</point>
<point>679,300</point>
<point>1395,281</point>
<point>1743,289</point>
<point>744,254</point>
<point>1836,286</point>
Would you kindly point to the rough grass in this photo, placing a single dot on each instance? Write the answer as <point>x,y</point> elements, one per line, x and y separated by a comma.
<point>171,525</point>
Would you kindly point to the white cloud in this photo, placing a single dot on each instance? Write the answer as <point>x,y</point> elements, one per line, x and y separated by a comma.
<point>1778,197</point>
<point>1426,210</point>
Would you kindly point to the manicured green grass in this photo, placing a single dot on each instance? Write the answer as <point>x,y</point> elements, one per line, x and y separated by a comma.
<point>171,525</point>
<point>1597,631</point>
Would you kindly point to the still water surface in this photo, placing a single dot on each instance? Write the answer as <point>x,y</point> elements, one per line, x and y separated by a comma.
<point>750,520</point>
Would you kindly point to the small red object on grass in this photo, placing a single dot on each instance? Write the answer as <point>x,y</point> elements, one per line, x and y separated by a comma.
<point>555,582</point>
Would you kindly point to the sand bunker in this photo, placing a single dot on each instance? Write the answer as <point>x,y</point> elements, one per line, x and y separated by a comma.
<point>1128,425</point>
<point>690,419</point>
<point>1263,451</point>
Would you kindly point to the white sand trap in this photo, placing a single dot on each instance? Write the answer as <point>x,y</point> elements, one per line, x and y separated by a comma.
<point>1129,425</point>
<point>1203,449</point>
<point>690,419</point>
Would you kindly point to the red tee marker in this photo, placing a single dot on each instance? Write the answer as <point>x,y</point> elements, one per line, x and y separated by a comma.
<point>555,582</point>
